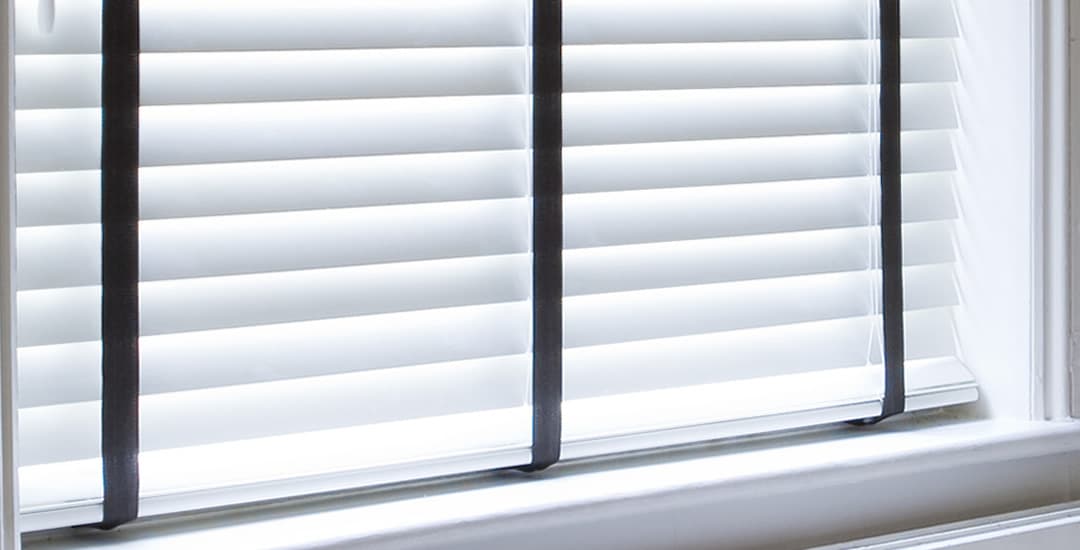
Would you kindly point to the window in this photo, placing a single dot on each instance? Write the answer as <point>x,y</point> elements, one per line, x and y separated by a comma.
<point>336,278</point>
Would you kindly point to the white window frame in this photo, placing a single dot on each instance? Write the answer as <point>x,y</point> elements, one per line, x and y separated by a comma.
<point>9,494</point>
<point>813,488</point>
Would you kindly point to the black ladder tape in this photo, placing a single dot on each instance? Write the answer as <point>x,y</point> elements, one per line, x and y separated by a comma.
<point>547,141</point>
<point>892,248</point>
<point>120,261</point>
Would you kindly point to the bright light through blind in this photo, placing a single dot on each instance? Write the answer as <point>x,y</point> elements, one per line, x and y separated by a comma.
<point>335,267</point>
<point>721,265</point>
<point>335,254</point>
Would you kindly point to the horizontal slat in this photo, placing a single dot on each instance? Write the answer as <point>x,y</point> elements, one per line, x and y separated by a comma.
<point>58,316</point>
<point>67,315</point>
<point>648,314</point>
<point>61,198</point>
<point>208,25</point>
<point>336,459</point>
<point>438,388</point>
<point>277,408</point>
<point>181,25</point>
<point>705,261</point>
<point>69,139</point>
<point>752,400</point>
<point>744,64</point>
<point>595,371</point>
<point>630,217</point>
<point>284,466</point>
<point>599,118</point>
<point>187,361</point>
<point>618,168</point>
<point>66,256</point>
<point>71,81</point>
<point>699,163</point>
<point>647,21</point>
<point>69,372</point>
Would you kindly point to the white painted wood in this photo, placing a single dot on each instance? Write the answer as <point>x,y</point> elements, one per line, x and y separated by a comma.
<point>9,490</point>
<point>1051,187</point>
<point>1074,198</point>
<point>996,325</point>
<point>1048,528</point>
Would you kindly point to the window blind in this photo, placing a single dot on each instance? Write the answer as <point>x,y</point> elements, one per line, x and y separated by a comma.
<point>722,202</point>
<point>337,230</point>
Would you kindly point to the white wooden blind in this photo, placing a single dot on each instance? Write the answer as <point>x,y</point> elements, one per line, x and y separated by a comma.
<point>721,208</point>
<point>335,265</point>
<point>334,252</point>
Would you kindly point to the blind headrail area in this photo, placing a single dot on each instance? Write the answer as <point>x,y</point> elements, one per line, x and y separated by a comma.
<point>336,235</point>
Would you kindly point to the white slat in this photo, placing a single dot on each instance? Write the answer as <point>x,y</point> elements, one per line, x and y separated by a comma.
<point>206,247</point>
<point>185,361</point>
<point>222,414</point>
<point>257,131</point>
<point>53,314</point>
<point>58,316</point>
<point>661,215</point>
<point>68,139</point>
<point>649,22</point>
<point>752,400</point>
<point>209,25</point>
<point>704,261</point>
<point>664,313</point>
<point>594,371</point>
<point>599,118</point>
<point>698,163</point>
<point>602,68</point>
<point>231,413</point>
<point>489,439</point>
<point>63,198</point>
<point>64,256</point>
<point>413,449</point>
<point>69,372</point>
<point>71,81</point>
<point>59,198</point>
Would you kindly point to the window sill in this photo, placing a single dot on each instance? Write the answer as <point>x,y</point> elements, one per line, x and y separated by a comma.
<point>903,475</point>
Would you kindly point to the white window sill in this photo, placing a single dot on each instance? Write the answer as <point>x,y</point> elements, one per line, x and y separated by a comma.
<point>802,489</point>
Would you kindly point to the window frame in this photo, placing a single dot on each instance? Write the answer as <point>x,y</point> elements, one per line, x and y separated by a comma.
<point>9,493</point>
